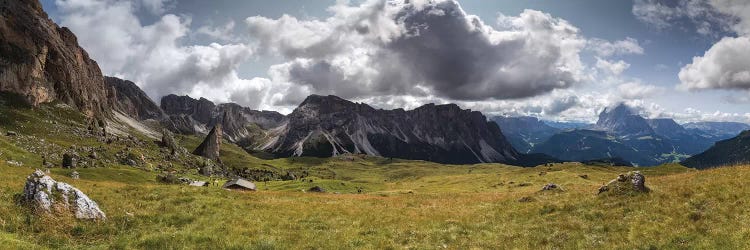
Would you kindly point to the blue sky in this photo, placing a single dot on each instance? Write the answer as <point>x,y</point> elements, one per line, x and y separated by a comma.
<point>255,74</point>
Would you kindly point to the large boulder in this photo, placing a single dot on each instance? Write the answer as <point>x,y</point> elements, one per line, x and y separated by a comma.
<point>69,160</point>
<point>632,182</point>
<point>47,195</point>
<point>168,141</point>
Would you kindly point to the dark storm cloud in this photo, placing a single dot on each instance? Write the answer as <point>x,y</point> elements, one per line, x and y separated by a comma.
<point>424,48</point>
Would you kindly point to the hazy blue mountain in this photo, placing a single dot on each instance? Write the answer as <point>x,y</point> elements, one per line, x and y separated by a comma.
<point>524,132</point>
<point>621,133</point>
<point>568,125</point>
<point>727,152</point>
<point>686,141</point>
<point>717,130</point>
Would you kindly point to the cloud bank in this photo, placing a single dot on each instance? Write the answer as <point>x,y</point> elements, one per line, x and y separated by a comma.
<point>420,49</point>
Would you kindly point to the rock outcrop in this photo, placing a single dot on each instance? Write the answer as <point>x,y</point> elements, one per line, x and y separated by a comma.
<point>168,141</point>
<point>326,126</point>
<point>211,145</point>
<point>626,184</point>
<point>41,62</point>
<point>47,195</point>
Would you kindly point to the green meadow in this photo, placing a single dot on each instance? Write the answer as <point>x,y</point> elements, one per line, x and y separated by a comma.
<point>369,203</point>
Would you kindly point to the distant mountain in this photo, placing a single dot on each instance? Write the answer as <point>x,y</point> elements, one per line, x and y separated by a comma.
<point>717,130</point>
<point>326,126</point>
<point>586,145</point>
<point>727,152</point>
<point>567,125</point>
<point>525,132</point>
<point>685,141</point>
<point>623,121</point>
<point>621,132</point>
<point>239,124</point>
<point>41,62</point>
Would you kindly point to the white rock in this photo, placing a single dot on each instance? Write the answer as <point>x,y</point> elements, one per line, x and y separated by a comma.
<point>42,191</point>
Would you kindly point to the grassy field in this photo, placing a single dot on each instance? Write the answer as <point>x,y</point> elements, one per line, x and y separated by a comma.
<point>402,204</point>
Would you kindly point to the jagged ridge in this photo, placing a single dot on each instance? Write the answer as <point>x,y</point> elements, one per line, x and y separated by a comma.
<point>328,125</point>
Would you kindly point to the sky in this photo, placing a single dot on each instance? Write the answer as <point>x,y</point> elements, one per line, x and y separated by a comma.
<point>556,60</point>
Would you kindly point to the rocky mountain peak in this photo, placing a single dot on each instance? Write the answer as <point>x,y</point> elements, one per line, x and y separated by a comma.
<point>131,100</point>
<point>623,120</point>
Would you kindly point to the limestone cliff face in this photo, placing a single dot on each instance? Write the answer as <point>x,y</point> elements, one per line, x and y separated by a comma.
<point>129,99</point>
<point>328,125</point>
<point>42,62</point>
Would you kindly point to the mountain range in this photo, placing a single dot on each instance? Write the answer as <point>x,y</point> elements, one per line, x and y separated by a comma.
<point>619,132</point>
<point>43,63</point>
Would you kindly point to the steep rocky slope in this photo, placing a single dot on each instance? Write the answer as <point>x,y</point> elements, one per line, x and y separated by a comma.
<point>131,100</point>
<point>42,62</point>
<point>328,125</point>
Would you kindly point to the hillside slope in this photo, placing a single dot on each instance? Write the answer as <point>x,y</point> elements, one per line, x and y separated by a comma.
<point>734,151</point>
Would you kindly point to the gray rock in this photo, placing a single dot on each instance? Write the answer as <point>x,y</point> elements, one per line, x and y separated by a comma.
<point>14,163</point>
<point>69,161</point>
<point>45,194</point>
<point>550,186</point>
<point>168,141</point>
<point>198,184</point>
<point>11,133</point>
<point>211,146</point>
<point>75,175</point>
<point>630,183</point>
<point>317,189</point>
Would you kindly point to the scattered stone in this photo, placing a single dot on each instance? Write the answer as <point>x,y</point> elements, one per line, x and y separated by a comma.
<point>199,184</point>
<point>525,184</point>
<point>526,199</point>
<point>14,163</point>
<point>44,194</point>
<point>75,175</point>
<point>584,176</point>
<point>317,189</point>
<point>69,161</point>
<point>630,183</point>
<point>207,169</point>
<point>11,133</point>
<point>168,178</point>
<point>289,176</point>
<point>542,173</point>
<point>168,141</point>
<point>93,155</point>
<point>550,186</point>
